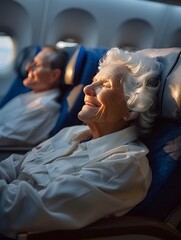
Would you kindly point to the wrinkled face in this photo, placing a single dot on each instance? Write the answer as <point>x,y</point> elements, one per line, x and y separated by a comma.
<point>104,100</point>
<point>39,72</point>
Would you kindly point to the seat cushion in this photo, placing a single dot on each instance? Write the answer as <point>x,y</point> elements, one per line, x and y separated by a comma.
<point>164,194</point>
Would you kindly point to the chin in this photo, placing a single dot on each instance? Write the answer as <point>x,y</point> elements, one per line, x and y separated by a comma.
<point>87,114</point>
<point>25,82</point>
<point>82,116</point>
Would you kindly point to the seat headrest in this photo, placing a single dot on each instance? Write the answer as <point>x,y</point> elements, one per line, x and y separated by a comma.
<point>25,56</point>
<point>74,65</point>
<point>169,98</point>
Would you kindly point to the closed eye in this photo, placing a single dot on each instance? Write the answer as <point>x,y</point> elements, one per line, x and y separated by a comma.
<point>102,83</point>
<point>107,84</point>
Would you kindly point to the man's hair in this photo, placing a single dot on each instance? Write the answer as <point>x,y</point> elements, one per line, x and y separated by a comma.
<point>58,59</point>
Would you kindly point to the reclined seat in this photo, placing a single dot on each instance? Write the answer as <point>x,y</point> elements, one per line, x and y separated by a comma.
<point>158,216</point>
<point>165,170</point>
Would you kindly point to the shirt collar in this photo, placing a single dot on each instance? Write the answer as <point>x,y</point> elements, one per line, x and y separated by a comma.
<point>101,146</point>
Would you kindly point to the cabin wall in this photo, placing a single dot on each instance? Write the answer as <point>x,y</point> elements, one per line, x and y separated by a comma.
<point>93,23</point>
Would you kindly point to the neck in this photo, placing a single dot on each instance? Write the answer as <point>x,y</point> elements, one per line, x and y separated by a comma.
<point>102,129</point>
<point>42,90</point>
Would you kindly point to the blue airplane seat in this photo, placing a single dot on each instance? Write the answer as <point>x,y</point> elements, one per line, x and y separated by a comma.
<point>162,205</point>
<point>159,214</point>
<point>73,100</point>
<point>26,55</point>
<point>164,194</point>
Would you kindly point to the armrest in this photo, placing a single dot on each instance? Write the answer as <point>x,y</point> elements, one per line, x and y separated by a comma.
<point>109,227</point>
<point>174,217</point>
<point>7,151</point>
<point>15,149</point>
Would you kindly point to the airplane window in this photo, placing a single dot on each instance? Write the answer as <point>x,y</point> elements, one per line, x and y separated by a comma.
<point>66,43</point>
<point>6,51</point>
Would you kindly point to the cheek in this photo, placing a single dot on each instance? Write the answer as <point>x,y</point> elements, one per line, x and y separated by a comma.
<point>110,99</point>
<point>40,74</point>
<point>113,104</point>
<point>42,78</point>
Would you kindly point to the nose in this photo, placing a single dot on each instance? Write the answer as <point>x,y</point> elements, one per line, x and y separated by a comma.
<point>90,90</point>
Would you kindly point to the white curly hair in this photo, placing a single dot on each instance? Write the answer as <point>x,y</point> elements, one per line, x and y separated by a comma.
<point>140,84</point>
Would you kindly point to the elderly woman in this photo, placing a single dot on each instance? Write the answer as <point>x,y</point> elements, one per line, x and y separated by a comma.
<point>87,172</point>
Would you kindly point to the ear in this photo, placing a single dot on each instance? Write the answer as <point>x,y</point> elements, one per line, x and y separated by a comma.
<point>56,74</point>
<point>130,116</point>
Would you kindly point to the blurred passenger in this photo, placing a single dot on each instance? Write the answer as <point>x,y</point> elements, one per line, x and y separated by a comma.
<point>90,171</point>
<point>29,118</point>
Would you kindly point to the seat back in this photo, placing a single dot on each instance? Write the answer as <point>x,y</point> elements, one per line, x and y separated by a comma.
<point>170,91</point>
<point>164,194</point>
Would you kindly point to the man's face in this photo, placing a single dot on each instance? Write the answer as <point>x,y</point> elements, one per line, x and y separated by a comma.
<point>39,72</point>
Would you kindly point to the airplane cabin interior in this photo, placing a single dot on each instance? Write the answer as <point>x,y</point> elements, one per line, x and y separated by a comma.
<point>86,29</point>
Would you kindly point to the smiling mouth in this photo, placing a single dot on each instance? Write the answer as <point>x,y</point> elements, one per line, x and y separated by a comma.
<point>90,104</point>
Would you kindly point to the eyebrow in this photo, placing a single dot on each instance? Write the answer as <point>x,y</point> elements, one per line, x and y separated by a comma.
<point>101,79</point>
<point>94,80</point>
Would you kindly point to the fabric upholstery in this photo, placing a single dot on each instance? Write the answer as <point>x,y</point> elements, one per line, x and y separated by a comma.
<point>170,57</point>
<point>164,194</point>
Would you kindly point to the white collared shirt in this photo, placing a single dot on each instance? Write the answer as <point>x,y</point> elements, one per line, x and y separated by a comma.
<point>29,118</point>
<point>65,184</point>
